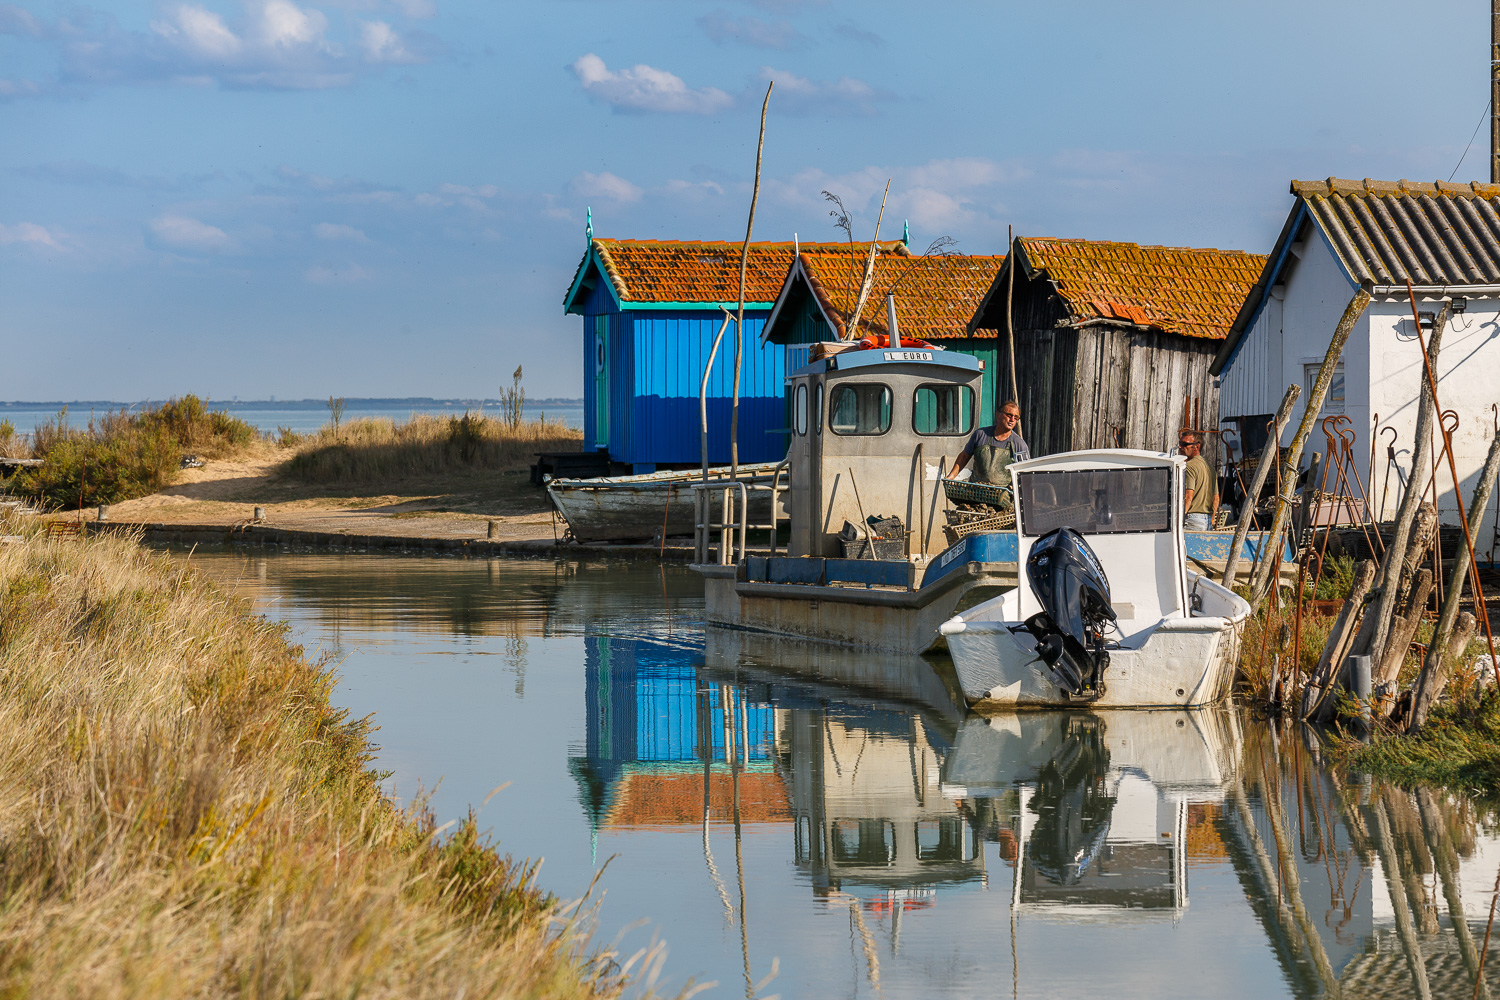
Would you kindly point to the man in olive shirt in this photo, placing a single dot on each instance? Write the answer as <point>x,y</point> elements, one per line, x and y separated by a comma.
<point>993,449</point>
<point>1200,494</point>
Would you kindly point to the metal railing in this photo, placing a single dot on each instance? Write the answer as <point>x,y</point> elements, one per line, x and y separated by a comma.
<point>733,523</point>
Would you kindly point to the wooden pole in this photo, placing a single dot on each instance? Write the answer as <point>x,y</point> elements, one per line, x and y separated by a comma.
<point>739,323</point>
<point>1433,677</point>
<point>851,329</point>
<point>1495,91</point>
<point>1270,567</point>
<point>1010,308</point>
<point>1411,501</point>
<point>1262,471</point>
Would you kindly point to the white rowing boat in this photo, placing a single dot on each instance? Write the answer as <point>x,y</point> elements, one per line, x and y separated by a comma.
<point>622,508</point>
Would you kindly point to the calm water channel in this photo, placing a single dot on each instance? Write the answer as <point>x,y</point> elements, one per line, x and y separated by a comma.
<point>838,817</point>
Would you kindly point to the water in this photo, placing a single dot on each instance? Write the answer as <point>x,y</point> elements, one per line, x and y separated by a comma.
<point>863,834</point>
<point>269,417</point>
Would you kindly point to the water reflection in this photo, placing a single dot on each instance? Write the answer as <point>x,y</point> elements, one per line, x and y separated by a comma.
<point>840,811</point>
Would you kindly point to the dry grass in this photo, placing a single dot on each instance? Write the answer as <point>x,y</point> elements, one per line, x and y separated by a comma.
<point>381,450</point>
<point>184,813</point>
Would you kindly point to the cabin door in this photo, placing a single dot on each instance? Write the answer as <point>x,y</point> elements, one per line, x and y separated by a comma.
<point>601,382</point>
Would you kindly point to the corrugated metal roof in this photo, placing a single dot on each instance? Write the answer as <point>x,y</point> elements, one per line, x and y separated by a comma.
<point>706,271</point>
<point>1389,233</point>
<point>935,296</point>
<point>1182,290</point>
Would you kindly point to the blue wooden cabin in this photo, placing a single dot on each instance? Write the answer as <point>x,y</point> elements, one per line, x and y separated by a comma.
<point>650,311</point>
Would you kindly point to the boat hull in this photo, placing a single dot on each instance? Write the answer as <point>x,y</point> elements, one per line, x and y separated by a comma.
<point>626,508</point>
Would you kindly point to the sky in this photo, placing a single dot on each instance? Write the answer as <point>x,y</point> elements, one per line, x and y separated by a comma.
<point>262,198</point>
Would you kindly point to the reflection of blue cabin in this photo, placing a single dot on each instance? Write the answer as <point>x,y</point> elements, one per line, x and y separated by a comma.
<point>650,311</point>
<point>648,712</point>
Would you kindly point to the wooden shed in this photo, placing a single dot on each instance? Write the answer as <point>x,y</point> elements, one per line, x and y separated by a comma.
<point>1114,340</point>
<point>650,311</point>
<point>935,297</point>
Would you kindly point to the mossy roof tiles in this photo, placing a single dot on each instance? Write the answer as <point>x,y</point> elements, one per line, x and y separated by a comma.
<point>935,296</point>
<point>706,271</point>
<point>1182,290</point>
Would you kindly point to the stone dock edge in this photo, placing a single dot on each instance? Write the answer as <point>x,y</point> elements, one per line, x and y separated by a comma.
<point>292,539</point>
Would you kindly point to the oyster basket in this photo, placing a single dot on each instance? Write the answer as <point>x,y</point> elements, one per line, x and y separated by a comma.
<point>892,546</point>
<point>967,491</point>
<point>963,522</point>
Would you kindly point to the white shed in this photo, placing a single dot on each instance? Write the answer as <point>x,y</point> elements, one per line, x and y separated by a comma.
<point>1442,238</point>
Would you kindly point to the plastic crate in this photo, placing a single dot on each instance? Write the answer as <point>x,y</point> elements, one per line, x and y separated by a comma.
<point>998,522</point>
<point>966,491</point>
<point>875,548</point>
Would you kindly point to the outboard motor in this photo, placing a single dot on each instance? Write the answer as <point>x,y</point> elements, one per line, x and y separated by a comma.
<point>1070,583</point>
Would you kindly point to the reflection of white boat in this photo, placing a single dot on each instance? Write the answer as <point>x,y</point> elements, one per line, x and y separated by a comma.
<point>1099,805</point>
<point>632,507</point>
<point>1166,637</point>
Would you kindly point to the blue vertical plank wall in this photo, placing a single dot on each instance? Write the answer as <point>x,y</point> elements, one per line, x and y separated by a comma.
<point>598,302</point>
<point>658,419</point>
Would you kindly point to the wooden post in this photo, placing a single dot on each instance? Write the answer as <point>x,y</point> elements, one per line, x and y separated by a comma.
<point>1437,669</point>
<point>1262,472</point>
<point>739,323</point>
<point>1388,668</point>
<point>1010,323</point>
<point>1416,487</point>
<point>1434,674</point>
<point>1325,676</point>
<point>1271,566</point>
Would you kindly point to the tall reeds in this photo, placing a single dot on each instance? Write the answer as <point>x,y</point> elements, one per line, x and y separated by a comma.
<point>184,812</point>
<point>378,450</point>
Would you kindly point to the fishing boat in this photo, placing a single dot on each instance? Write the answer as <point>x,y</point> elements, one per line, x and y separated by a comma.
<point>657,504</point>
<point>1110,615</point>
<point>874,428</point>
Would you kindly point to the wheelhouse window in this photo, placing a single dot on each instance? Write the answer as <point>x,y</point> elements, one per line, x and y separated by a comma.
<point>799,410</point>
<point>943,409</point>
<point>861,408</point>
<point>818,410</point>
<point>1096,501</point>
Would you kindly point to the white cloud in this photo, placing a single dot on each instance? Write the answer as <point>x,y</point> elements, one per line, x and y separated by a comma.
<point>606,185</point>
<point>18,88</point>
<point>645,88</point>
<point>799,95</point>
<point>459,190</point>
<point>186,233</point>
<point>339,231</point>
<point>283,24</point>
<point>325,274</point>
<point>720,26</point>
<point>29,233</point>
<point>200,31</point>
<point>382,44</point>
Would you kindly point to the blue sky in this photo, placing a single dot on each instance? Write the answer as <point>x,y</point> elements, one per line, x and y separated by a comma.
<point>386,197</point>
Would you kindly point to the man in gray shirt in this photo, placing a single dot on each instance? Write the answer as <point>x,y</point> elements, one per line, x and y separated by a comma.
<point>993,449</point>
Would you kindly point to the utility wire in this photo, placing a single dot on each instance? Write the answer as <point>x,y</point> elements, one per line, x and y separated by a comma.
<point>1471,139</point>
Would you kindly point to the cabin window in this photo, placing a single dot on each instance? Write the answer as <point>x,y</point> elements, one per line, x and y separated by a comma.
<point>1096,501</point>
<point>799,410</point>
<point>862,408</point>
<point>943,409</point>
<point>1334,401</point>
<point>818,410</point>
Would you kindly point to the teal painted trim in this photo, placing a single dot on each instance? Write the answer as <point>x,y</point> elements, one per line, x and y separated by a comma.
<point>591,260</point>
<point>731,306</point>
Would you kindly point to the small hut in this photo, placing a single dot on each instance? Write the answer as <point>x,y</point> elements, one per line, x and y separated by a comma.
<point>1113,341</point>
<point>651,309</point>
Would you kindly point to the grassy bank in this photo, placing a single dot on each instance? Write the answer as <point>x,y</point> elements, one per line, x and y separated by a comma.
<point>382,451</point>
<point>123,455</point>
<point>184,813</point>
<point>1459,748</point>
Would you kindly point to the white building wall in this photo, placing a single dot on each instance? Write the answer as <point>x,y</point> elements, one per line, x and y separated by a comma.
<point>1382,366</point>
<point>1468,372</point>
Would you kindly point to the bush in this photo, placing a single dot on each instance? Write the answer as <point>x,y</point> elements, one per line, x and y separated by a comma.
<point>123,455</point>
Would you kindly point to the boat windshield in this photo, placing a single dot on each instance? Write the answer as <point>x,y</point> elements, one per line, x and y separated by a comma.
<point>1096,501</point>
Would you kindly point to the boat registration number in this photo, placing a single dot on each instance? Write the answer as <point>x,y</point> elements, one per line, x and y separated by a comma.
<point>908,355</point>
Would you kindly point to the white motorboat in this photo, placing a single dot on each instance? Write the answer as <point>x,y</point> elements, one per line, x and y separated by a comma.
<point>1107,614</point>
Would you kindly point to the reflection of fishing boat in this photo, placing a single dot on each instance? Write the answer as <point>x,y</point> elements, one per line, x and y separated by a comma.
<point>1111,616</point>
<point>621,508</point>
<point>872,432</point>
<point>1098,805</point>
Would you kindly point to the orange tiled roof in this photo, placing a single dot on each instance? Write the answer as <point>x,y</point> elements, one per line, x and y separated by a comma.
<point>676,799</point>
<point>935,296</point>
<point>1195,293</point>
<point>705,271</point>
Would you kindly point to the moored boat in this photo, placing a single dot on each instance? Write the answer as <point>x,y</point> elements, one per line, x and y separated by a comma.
<point>623,508</point>
<point>1109,616</point>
